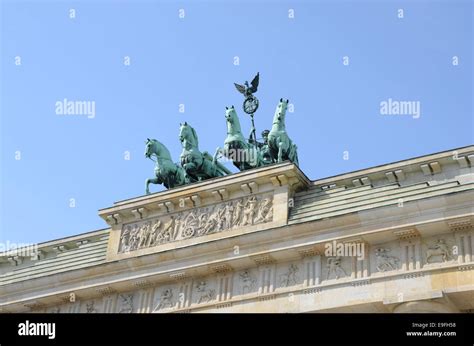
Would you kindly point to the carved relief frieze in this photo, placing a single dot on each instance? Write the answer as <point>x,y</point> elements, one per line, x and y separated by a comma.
<point>166,300</point>
<point>385,261</point>
<point>248,281</point>
<point>126,303</point>
<point>438,251</point>
<point>91,308</point>
<point>196,222</point>
<point>205,294</point>
<point>290,276</point>
<point>334,268</point>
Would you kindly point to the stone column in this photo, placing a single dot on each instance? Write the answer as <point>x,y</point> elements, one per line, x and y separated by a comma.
<point>145,300</point>
<point>354,266</point>
<point>109,299</point>
<point>109,304</point>
<point>361,267</point>
<point>366,264</point>
<point>312,266</point>
<point>411,256</point>
<point>404,256</point>
<point>264,279</point>
<point>418,254</point>
<point>471,235</point>
<point>463,234</point>
<point>410,248</point>
<point>267,276</point>
<point>73,307</point>
<point>224,287</point>
<point>318,271</point>
<point>184,294</point>
<point>465,243</point>
<point>145,296</point>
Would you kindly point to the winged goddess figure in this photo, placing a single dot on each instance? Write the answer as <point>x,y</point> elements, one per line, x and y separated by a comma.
<point>247,90</point>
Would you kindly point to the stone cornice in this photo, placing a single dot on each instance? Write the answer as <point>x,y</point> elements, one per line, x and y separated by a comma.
<point>148,272</point>
<point>247,181</point>
<point>397,170</point>
<point>461,225</point>
<point>346,227</point>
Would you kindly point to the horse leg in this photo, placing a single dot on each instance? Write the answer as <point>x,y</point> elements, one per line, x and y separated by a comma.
<point>280,152</point>
<point>218,151</point>
<point>256,160</point>
<point>216,172</point>
<point>150,181</point>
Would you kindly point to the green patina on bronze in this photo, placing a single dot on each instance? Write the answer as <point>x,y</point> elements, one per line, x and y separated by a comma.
<point>198,166</point>
<point>281,146</point>
<point>245,153</point>
<point>167,172</point>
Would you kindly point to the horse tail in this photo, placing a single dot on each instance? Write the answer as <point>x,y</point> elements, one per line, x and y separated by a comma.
<point>219,166</point>
<point>295,150</point>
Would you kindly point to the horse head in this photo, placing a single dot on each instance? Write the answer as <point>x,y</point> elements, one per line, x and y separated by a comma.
<point>188,134</point>
<point>230,114</point>
<point>155,147</point>
<point>233,123</point>
<point>149,147</point>
<point>280,111</point>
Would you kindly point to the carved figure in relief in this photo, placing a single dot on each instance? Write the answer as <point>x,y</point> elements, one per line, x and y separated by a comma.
<point>190,225</point>
<point>126,303</point>
<point>208,223</point>
<point>134,237</point>
<point>202,222</point>
<point>125,239</point>
<point>439,249</point>
<point>249,211</point>
<point>290,277</point>
<point>221,218</point>
<point>90,308</point>
<point>196,222</point>
<point>265,211</point>
<point>239,208</point>
<point>144,235</point>
<point>154,233</point>
<point>177,225</point>
<point>166,299</point>
<point>334,265</point>
<point>211,224</point>
<point>140,234</point>
<point>384,261</point>
<point>229,213</point>
<point>205,294</point>
<point>247,281</point>
<point>167,233</point>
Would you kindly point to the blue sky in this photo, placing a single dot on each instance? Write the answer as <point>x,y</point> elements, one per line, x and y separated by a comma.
<point>190,61</point>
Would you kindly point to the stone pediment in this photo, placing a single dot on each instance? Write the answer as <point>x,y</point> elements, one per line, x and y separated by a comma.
<point>224,207</point>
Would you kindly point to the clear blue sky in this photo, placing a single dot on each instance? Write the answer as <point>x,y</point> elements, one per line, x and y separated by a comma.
<point>191,61</point>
